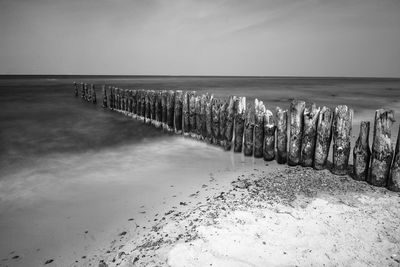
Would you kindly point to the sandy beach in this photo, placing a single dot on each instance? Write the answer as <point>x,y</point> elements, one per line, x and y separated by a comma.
<point>267,215</point>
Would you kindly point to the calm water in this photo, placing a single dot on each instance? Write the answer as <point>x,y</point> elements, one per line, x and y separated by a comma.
<point>67,166</point>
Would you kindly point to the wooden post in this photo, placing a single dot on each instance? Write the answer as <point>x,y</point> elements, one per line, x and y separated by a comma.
<point>134,103</point>
<point>82,90</point>
<point>127,100</point>
<point>324,137</point>
<point>76,93</point>
<point>296,131</point>
<point>240,109</point>
<point>197,108</point>
<point>94,97</point>
<point>382,152</point>
<point>215,121</point>
<point>342,124</point>
<point>164,96</point>
<point>152,97</point>
<point>192,113</point>
<point>139,103</point>
<point>362,153</point>
<point>159,108</point>
<point>86,92</point>
<point>209,119</point>
<point>110,99</point>
<point>204,99</point>
<point>222,122</point>
<point>104,97</point>
<point>230,122</point>
<point>249,130</point>
<point>122,92</point>
<point>144,105</point>
<point>185,113</point>
<point>269,136</point>
<point>170,110</point>
<point>309,135</point>
<point>281,135</point>
<point>178,111</point>
<point>394,179</point>
<point>116,98</point>
<point>119,97</point>
<point>259,129</point>
<point>147,107</point>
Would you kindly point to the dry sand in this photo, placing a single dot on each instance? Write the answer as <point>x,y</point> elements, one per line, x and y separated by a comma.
<point>271,215</point>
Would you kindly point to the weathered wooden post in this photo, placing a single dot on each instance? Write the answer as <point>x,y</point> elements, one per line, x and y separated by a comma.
<point>134,103</point>
<point>139,103</point>
<point>222,122</point>
<point>158,108</point>
<point>104,97</point>
<point>170,110</point>
<point>362,153</point>
<point>342,126</point>
<point>127,100</point>
<point>324,137</point>
<point>122,92</point>
<point>192,113</point>
<point>94,98</point>
<point>178,112</point>
<point>82,90</point>
<point>230,122</point>
<point>248,131</point>
<point>164,96</point>
<point>87,94</point>
<point>296,131</point>
<point>76,93</point>
<point>269,136</point>
<point>215,121</point>
<point>148,107</point>
<point>209,119</point>
<point>152,106</point>
<point>310,117</point>
<point>240,109</point>
<point>204,99</point>
<point>144,105</point>
<point>185,113</point>
<point>281,135</point>
<point>197,108</point>
<point>118,91</point>
<point>115,97</point>
<point>382,153</point>
<point>394,179</point>
<point>111,98</point>
<point>259,129</point>
<point>114,103</point>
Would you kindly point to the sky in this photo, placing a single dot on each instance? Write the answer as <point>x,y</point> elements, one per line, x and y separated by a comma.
<point>201,37</point>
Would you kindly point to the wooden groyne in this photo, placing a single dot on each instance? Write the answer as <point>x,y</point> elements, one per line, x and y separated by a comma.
<point>301,135</point>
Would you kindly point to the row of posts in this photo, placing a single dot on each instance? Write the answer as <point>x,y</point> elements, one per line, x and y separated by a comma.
<point>300,136</point>
<point>87,92</point>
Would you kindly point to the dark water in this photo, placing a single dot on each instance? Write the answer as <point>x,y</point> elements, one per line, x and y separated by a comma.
<point>67,166</point>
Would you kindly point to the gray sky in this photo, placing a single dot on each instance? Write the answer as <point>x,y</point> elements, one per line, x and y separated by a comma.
<point>201,37</point>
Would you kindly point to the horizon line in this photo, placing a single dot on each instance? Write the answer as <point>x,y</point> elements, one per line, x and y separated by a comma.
<point>189,76</point>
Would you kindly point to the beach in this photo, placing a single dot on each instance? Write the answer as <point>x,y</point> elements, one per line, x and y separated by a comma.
<point>80,185</point>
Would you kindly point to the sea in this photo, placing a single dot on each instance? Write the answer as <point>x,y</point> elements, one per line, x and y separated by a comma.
<point>72,174</point>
